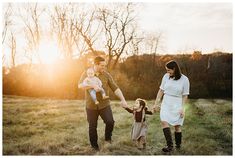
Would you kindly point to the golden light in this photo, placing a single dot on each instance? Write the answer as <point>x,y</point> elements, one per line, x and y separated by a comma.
<point>48,52</point>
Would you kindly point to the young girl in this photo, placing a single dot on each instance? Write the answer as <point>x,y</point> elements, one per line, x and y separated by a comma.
<point>139,128</point>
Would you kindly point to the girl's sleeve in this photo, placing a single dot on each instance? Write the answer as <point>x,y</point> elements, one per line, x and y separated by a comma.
<point>129,110</point>
<point>186,86</point>
<point>148,112</point>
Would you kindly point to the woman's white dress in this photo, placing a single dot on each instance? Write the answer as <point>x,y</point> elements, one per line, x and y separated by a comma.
<point>172,99</point>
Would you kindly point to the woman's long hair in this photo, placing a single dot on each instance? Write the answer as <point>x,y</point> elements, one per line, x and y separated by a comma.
<point>174,66</point>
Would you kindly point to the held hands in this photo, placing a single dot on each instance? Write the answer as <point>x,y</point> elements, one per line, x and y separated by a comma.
<point>156,108</point>
<point>124,104</point>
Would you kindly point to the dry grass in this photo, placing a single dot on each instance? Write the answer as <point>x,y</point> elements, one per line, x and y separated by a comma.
<point>33,126</point>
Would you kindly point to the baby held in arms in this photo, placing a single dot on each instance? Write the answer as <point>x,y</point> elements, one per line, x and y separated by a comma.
<point>92,80</point>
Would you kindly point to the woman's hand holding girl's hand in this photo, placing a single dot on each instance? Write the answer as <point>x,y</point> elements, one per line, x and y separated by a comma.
<point>182,113</point>
<point>156,108</point>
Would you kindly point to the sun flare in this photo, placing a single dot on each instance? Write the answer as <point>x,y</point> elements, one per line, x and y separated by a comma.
<point>48,52</point>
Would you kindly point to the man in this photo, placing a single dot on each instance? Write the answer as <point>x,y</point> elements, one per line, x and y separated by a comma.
<point>102,109</point>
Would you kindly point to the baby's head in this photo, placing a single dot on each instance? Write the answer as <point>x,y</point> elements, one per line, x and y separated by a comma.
<point>140,103</point>
<point>90,72</point>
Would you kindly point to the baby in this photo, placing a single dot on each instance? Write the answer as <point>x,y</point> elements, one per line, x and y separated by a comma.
<point>139,128</point>
<point>92,80</point>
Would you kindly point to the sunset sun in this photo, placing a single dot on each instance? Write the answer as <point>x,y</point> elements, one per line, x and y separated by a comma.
<point>48,52</point>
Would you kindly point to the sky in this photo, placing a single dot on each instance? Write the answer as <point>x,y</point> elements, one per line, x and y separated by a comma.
<point>190,26</point>
<point>185,27</point>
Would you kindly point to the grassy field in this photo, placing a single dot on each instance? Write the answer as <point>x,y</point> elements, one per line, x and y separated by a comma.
<point>33,126</point>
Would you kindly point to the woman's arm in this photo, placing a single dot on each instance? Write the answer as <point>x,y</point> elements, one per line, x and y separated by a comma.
<point>182,111</point>
<point>158,100</point>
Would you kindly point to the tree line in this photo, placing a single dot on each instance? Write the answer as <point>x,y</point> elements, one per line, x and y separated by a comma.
<point>210,76</point>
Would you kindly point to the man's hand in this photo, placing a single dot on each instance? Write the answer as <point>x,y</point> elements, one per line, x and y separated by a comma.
<point>124,104</point>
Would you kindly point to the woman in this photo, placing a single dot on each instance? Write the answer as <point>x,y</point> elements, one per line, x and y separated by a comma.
<point>175,90</point>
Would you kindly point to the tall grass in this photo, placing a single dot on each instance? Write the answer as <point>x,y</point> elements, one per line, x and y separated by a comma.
<point>33,126</point>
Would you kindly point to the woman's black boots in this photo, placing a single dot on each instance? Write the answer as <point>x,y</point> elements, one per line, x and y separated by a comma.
<point>178,138</point>
<point>169,142</point>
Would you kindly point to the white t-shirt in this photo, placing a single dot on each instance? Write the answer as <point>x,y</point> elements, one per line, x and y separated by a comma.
<point>173,87</point>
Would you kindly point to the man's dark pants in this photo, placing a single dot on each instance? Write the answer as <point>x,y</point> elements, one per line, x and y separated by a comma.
<point>92,118</point>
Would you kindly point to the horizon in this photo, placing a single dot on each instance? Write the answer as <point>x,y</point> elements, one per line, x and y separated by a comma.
<point>50,65</point>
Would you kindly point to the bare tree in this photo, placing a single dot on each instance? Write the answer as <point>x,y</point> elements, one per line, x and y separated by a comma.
<point>6,21</point>
<point>119,28</point>
<point>153,43</point>
<point>12,46</point>
<point>30,17</point>
<point>74,26</point>
<point>88,30</point>
<point>135,45</point>
<point>64,20</point>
